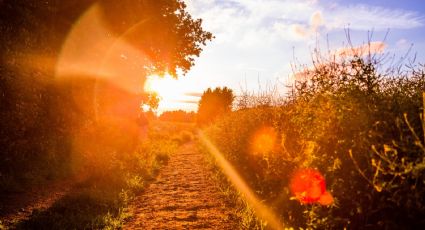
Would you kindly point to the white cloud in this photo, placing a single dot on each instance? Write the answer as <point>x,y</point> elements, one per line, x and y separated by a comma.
<point>363,17</point>
<point>292,20</point>
<point>258,37</point>
<point>249,22</point>
<point>370,48</point>
<point>403,44</point>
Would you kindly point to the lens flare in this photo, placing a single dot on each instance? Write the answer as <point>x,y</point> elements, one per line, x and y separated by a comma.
<point>92,51</point>
<point>261,210</point>
<point>309,186</point>
<point>103,73</point>
<point>263,140</point>
<point>172,91</point>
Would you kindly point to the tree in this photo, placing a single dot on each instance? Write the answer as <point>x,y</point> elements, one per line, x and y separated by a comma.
<point>152,101</point>
<point>41,112</point>
<point>162,29</point>
<point>214,103</point>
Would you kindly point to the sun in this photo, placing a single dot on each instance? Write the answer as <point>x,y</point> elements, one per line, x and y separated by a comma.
<point>162,85</point>
<point>166,87</point>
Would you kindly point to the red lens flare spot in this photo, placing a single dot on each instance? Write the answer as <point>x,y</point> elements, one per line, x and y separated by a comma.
<point>309,186</point>
<point>326,199</point>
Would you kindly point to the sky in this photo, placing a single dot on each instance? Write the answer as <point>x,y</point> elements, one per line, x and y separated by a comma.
<point>257,40</point>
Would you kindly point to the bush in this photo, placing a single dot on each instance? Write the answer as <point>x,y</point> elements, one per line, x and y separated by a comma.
<point>359,126</point>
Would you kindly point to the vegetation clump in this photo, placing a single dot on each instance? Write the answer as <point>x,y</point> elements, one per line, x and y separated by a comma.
<point>178,116</point>
<point>355,120</point>
<point>213,104</point>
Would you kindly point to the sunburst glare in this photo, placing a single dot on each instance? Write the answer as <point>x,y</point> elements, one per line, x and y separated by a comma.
<point>168,88</point>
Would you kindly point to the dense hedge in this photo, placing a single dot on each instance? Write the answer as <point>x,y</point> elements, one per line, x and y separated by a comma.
<point>361,127</point>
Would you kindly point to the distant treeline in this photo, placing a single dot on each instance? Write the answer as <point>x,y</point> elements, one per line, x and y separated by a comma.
<point>178,116</point>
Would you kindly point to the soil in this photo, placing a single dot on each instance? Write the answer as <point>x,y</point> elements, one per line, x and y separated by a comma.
<point>17,207</point>
<point>183,197</point>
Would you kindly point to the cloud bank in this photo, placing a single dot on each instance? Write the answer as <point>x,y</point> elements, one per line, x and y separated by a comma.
<point>256,40</point>
<point>271,20</point>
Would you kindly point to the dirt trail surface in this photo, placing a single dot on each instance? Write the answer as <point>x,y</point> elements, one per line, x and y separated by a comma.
<point>17,207</point>
<point>183,197</point>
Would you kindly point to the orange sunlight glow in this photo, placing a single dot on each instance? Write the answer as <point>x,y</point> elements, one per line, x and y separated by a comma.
<point>90,50</point>
<point>112,69</point>
<point>92,53</point>
<point>167,89</point>
<point>263,140</point>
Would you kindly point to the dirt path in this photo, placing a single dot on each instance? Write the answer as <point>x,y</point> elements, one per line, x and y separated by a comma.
<point>17,207</point>
<point>182,197</point>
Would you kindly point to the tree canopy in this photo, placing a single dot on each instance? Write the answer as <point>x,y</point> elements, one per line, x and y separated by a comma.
<point>214,103</point>
<point>162,29</point>
<point>40,113</point>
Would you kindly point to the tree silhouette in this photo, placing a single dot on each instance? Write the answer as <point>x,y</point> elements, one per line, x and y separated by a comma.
<point>162,29</point>
<point>214,103</point>
<point>39,113</point>
<point>152,101</point>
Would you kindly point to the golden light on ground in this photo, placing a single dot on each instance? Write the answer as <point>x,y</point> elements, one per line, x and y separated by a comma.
<point>263,140</point>
<point>261,210</point>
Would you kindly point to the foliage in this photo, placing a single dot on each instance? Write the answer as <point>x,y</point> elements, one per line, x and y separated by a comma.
<point>242,211</point>
<point>101,201</point>
<point>44,120</point>
<point>152,101</point>
<point>359,125</point>
<point>169,35</point>
<point>214,103</point>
